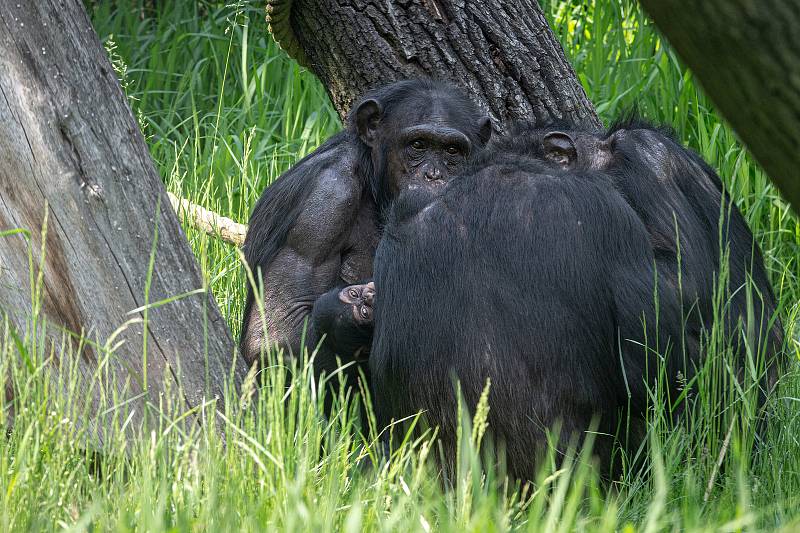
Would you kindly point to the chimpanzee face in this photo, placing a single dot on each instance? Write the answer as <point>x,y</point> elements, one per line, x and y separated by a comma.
<point>425,155</point>
<point>362,300</point>
<point>423,143</point>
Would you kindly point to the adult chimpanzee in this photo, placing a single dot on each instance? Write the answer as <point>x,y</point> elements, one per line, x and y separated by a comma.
<point>671,188</point>
<point>540,269</point>
<point>313,233</point>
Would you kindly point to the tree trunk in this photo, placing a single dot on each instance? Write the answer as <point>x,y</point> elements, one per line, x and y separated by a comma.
<point>69,145</point>
<point>747,57</point>
<point>502,51</point>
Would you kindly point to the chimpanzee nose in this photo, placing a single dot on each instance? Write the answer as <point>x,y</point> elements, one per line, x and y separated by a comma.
<point>433,174</point>
<point>369,296</point>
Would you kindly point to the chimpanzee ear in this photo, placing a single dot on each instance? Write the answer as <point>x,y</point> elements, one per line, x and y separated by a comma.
<point>560,148</point>
<point>368,115</point>
<point>485,129</point>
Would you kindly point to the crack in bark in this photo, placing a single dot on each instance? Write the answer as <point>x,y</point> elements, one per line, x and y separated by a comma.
<point>21,125</point>
<point>95,259</point>
<point>512,64</point>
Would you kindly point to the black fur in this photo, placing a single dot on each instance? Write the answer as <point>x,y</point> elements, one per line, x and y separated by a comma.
<point>544,279</point>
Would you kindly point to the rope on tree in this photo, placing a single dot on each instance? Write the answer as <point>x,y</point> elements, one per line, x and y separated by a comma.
<point>278,12</point>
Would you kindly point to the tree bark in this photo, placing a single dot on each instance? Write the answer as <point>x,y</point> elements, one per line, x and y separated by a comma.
<point>69,145</point>
<point>747,57</point>
<point>502,51</point>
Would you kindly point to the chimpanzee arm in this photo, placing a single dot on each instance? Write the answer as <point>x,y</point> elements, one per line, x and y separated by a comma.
<point>306,267</point>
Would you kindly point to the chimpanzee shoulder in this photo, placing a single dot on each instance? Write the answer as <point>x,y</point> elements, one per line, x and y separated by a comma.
<point>277,210</point>
<point>281,203</point>
<point>505,268</point>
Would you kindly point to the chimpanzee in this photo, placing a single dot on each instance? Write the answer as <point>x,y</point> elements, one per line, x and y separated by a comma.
<point>313,233</point>
<point>681,202</point>
<point>551,268</point>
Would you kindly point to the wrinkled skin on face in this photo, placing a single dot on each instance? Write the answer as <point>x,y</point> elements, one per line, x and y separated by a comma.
<point>345,317</point>
<point>420,146</point>
<point>426,156</point>
<point>361,298</point>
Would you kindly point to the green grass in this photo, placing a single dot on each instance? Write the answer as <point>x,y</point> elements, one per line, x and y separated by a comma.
<point>225,112</point>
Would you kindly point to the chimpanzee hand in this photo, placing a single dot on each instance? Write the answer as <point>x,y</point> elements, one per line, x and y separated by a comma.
<point>344,317</point>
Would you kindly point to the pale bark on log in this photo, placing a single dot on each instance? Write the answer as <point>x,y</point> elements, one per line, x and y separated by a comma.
<point>501,51</point>
<point>70,144</point>
<point>208,221</point>
<point>747,57</point>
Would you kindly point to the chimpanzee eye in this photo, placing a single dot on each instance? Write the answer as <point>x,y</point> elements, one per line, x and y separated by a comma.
<point>452,150</point>
<point>364,311</point>
<point>418,144</point>
<point>353,293</point>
